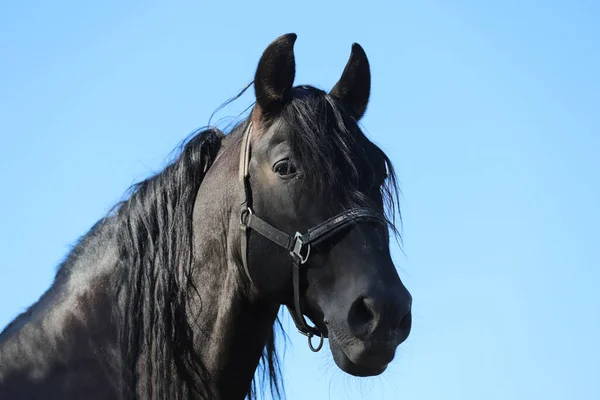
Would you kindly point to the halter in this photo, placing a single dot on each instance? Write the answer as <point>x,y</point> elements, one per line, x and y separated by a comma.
<point>299,245</point>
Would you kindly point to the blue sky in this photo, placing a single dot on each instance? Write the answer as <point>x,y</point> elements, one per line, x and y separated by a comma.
<point>489,111</point>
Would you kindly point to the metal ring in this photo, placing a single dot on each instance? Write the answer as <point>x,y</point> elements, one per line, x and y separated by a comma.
<point>320,342</point>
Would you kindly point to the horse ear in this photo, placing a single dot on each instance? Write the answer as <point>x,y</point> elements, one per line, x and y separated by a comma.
<point>354,87</point>
<point>275,74</point>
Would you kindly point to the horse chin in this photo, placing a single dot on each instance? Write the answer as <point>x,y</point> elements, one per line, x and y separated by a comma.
<point>353,368</point>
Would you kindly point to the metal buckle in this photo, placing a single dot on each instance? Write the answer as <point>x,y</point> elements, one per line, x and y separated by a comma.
<point>297,250</point>
<point>245,214</point>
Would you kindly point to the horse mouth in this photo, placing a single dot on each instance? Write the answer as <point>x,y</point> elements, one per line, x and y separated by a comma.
<point>358,363</point>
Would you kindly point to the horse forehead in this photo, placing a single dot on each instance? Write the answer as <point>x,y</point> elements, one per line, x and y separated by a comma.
<point>278,133</point>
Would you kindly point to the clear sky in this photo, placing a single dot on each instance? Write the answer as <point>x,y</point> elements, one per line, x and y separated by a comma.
<point>490,112</point>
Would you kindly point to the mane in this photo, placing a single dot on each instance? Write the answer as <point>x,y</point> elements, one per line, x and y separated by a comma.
<point>154,236</point>
<point>335,156</point>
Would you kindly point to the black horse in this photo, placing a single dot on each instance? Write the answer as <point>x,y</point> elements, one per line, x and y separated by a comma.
<point>175,293</point>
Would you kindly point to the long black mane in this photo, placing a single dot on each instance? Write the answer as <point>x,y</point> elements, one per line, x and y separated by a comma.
<point>155,259</point>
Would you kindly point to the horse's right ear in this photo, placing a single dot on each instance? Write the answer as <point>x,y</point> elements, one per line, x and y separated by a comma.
<point>275,74</point>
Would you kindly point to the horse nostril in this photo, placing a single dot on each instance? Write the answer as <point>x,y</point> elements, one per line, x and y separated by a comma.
<point>362,318</point>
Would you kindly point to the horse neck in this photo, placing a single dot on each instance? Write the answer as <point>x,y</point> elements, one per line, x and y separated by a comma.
<point>238,324</point>
<point>70,324</point>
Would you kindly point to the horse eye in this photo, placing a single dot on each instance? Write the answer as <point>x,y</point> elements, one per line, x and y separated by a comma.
<point>285,168</point>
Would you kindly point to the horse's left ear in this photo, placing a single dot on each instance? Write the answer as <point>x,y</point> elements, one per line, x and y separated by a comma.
<point>354,87</point>
<point>275,74</point>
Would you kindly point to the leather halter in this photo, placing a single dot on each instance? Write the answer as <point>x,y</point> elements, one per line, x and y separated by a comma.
<point>299,245</point>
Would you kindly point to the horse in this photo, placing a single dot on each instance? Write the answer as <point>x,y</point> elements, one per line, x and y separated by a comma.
<point>175,292</point>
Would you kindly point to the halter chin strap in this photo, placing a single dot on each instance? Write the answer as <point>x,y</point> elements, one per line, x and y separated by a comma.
<point>299,245</point>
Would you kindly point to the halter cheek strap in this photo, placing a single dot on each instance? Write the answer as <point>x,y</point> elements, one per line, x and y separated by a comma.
<point>299,246</point>
<point>244,176</point>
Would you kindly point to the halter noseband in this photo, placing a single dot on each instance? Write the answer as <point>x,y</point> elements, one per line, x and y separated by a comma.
<point>299,245</point>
